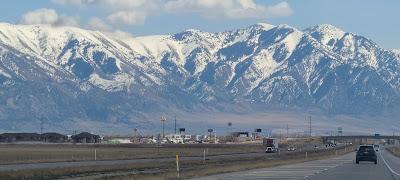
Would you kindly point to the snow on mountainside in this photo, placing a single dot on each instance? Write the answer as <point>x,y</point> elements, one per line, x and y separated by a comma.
<point>72,75</point>
<point>396,51</point>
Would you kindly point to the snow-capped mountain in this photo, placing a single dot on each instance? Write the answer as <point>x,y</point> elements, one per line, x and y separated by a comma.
<point>75,76</point>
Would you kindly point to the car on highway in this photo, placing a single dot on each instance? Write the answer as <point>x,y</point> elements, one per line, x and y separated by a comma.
<point>270,150</point>
<point>376,147</point>
<point>366,153</point>
<point>291,148</point>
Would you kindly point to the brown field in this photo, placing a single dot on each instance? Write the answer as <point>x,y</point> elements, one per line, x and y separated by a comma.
<point>150,170</point>
<point>35,153</point>
<point>166,170</point>
<point>31,153</point>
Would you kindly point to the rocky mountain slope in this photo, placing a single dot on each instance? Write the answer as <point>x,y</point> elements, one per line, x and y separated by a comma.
<point>75,78</point>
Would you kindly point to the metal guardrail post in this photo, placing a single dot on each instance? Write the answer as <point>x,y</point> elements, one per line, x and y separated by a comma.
<point>306,155</point>
<point>177,165</point>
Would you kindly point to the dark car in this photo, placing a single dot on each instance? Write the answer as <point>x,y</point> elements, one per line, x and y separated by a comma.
<point>366,153</point>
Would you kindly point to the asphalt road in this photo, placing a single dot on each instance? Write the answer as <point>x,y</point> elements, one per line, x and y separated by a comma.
<point>343,168</point>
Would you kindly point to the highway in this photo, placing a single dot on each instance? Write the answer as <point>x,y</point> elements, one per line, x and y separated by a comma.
<point>342,167</point>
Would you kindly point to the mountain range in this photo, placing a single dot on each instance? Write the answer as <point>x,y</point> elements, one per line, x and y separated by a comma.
<point>71,78</point>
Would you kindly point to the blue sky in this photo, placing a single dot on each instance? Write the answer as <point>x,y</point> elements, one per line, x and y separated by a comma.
<point>377,20</point>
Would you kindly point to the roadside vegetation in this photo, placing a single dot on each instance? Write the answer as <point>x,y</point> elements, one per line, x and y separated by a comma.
<point>31,153</point>
<point>189,168</point>
<point>395,150</point>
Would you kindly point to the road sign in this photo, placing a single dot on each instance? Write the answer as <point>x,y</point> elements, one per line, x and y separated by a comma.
<point>210,130</point>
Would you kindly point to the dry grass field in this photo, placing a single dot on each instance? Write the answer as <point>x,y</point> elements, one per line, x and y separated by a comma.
<point>166,170</point>
<point>395,150</point>
<point>35,153</point>
<point>31,153</point>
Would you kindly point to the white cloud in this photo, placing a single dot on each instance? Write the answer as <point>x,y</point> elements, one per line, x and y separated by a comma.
<point>118,34</point>
<point>127,4</point>
<point>40,16</point>
<point>232,9</point>
<point>130,12</point>
<point>113,5</point>
<point>98,24</point>
<point>125,17</point>
<point>48,16</point>
<point>120,11</point>
<point>73,2</point>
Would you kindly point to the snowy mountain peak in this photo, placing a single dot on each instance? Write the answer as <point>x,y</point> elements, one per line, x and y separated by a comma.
<point>265,26</point>
<point>192,31</point>
<point>111,78</point>
<point>285,26</point>
<point>397,52</point>
<point>327,34</point>
<point>326,28</point>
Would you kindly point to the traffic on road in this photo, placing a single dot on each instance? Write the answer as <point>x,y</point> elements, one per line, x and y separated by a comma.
<point>386,166</point>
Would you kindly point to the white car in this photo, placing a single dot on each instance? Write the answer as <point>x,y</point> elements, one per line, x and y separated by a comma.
<point>376,147</point>
<point>270,150</point>
<point>291,148</point>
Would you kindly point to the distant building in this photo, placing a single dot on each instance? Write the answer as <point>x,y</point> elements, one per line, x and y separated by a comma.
<point>199,138</point>
<point>120,140</point>
<point>54,137</point>
<point>241,136</point>
<point>175,138</point>
<point>86,137</point>
<point>19,137</point>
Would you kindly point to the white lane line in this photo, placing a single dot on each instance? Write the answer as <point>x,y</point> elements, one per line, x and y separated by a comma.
<point>387,165</point>
<point>293,171</point>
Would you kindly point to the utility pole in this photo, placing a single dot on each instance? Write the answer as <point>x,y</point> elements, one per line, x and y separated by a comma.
<point>135,137</point>
<point>230,127</point>
<point>310,126</point>
<point>42,119</point>
<point>287,130</point>
<point>175,124</point>
<point>41,125</point>
<point>135,132</point>
<point>163,119</point>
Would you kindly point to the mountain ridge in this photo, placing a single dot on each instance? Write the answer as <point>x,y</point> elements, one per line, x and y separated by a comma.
<point>130,81</point>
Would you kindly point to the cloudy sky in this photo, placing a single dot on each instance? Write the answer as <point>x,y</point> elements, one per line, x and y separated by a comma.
<point>374,19</point>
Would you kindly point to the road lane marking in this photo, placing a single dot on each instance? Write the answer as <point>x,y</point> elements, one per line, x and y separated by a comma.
<point>387,165</point>
<point>292,171</point>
